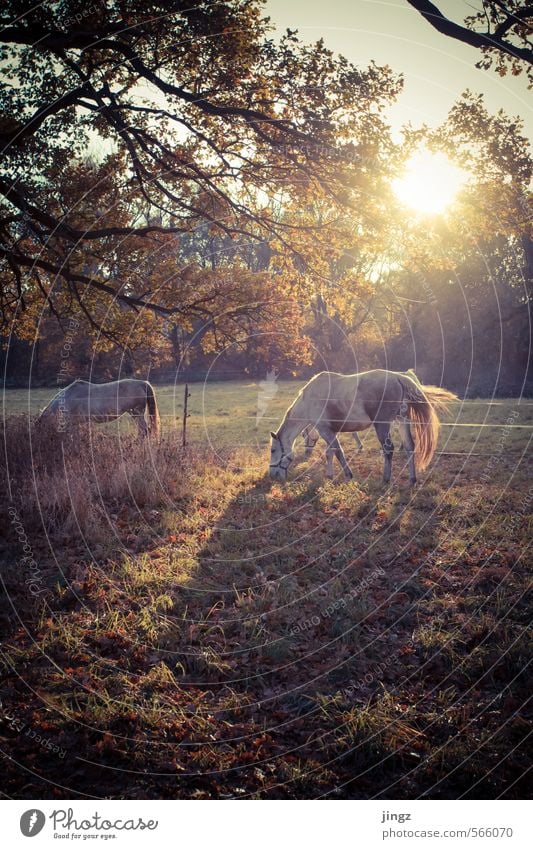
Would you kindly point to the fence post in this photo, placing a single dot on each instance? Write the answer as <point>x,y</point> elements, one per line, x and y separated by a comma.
<point>186,397</point>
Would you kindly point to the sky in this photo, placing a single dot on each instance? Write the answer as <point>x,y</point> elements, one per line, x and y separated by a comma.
<point>436,68</point>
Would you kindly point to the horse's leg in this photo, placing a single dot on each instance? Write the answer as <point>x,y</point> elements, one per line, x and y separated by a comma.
<point>305,433</point>
<point>383,434</point>
<point>330,453</point>
<point>310,441</point>
<point>409,445</point>
<point>357,440</point>
<point>398,423</point>
<point>334,448</point>
<point>140,421</point>
<point>339,453</point>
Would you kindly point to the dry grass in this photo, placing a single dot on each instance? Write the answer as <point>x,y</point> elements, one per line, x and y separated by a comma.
<point>72,481</point>
<point>204,633</point>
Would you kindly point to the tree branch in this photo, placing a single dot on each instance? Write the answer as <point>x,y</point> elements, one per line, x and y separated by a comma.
<point>131,301</point>
<point>519,16</point>
<point>438,21</point>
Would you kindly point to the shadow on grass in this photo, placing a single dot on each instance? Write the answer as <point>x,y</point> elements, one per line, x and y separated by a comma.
<point>299,573</point>
<point>273,647</point>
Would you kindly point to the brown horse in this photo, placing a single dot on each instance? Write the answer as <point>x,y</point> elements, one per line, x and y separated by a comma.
<point>334,403</point>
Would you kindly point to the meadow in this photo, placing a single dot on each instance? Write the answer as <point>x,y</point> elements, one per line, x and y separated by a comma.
<point>224,414</point>
<point>177,626</point>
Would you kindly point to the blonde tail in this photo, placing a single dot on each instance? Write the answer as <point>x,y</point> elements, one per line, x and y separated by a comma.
<point>151,403</point>
<point>423,402</point>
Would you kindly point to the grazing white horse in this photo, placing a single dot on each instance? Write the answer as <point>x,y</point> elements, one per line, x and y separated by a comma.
<point>105,402</point>
<point>334,403</point>
<point>311,435</point>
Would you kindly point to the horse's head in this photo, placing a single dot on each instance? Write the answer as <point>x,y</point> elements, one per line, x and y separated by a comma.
<point>280,459</point>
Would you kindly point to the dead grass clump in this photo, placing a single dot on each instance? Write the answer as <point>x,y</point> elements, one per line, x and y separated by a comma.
<point>70,482</point>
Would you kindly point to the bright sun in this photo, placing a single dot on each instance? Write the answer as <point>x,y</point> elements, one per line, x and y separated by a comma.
<point>429,183</point>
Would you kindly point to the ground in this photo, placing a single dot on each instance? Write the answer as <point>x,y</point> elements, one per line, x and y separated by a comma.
<point>191,630</point>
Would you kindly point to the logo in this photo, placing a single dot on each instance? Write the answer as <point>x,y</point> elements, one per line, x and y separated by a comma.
<point>32,822</point>
<point>267,390</point>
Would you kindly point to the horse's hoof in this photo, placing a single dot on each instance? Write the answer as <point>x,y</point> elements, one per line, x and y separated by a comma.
<point>348,476</point>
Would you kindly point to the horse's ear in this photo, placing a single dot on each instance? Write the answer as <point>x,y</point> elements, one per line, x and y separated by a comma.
<point>273,435</point>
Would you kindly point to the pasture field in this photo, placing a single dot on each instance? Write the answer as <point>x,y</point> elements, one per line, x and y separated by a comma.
<point>175,625</point>
<point>224,414</point>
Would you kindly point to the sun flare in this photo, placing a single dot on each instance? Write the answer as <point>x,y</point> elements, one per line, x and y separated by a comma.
<point>430,183</point>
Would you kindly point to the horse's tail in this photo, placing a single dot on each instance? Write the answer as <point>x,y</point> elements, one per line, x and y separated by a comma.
<point>423,402</point>
<point>410,373</point>
<point>153,412</point>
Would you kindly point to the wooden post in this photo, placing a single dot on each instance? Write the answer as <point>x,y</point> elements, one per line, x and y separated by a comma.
<point>186,397</point>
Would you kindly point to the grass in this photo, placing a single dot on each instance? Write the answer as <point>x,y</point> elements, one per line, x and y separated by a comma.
<point>224,414</point>
<point>204,633</point>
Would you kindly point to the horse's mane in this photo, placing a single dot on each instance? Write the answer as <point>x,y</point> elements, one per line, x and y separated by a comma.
<point>289,409</point>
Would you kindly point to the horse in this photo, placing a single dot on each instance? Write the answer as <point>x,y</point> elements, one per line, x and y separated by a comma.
<point>333,403</point>
<point>105,402</point>
<point>311,435</point>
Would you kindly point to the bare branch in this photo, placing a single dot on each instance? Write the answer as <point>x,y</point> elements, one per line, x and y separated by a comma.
<point>434,16</point>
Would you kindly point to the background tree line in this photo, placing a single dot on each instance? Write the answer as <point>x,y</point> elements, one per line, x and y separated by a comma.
<point>198,197</point>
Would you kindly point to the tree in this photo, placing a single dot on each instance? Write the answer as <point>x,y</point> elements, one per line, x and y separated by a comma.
<point>504,37</point>
<point>465,277</point>
<point>202,121</point>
